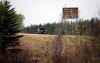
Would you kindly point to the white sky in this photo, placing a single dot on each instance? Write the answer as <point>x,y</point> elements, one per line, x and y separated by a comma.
<point>43,11</point>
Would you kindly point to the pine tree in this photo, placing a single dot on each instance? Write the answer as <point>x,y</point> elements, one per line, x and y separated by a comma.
<point>10,23</point>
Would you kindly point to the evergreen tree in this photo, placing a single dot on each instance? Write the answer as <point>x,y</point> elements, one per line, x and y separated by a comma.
<point>10,23</point>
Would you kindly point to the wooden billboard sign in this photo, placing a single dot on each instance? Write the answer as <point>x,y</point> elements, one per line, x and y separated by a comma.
<point>70,12</point>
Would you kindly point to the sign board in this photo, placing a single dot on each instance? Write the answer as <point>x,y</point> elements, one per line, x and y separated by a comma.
<point>70,12</point>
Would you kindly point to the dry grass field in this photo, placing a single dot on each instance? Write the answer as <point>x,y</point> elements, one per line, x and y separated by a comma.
<point>41,46</point>
<point>38,40</point>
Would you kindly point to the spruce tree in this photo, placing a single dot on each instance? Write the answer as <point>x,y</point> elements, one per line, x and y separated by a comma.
<point>10,23</point>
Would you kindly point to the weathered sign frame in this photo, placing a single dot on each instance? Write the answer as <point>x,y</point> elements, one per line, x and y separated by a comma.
<point>70,12</point>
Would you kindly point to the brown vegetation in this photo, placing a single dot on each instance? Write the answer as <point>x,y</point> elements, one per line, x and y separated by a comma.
<point>75,49</point>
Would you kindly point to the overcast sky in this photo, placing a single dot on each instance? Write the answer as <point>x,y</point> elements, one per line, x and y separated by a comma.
<point>43,11</point>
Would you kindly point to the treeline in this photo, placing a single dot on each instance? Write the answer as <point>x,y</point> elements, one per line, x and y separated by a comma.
<point>42,29</point>
<point>82,27</point>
